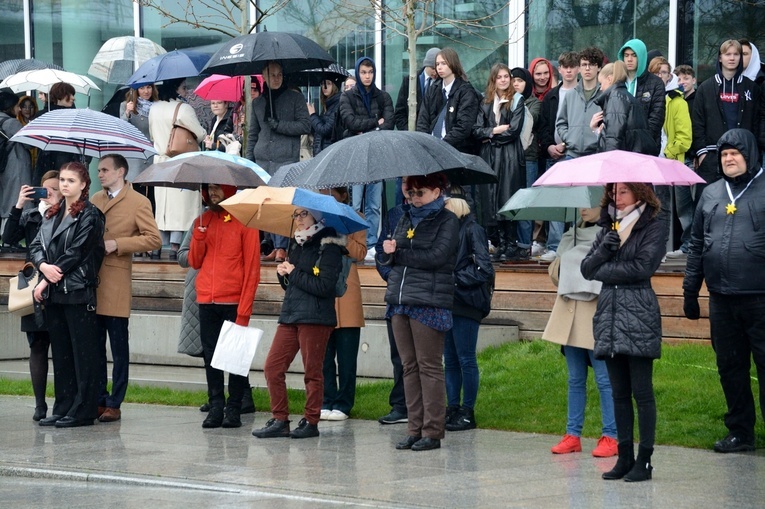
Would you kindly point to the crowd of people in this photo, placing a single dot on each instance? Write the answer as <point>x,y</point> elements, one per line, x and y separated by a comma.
<point>432,247</point>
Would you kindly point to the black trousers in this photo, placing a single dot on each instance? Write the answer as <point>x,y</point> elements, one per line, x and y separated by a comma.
<point>119,336</point>
<point>633,377</point>
<point>738,335</point>
<point>211,318</point>
<point>73,331</point>
<point>397,399</point>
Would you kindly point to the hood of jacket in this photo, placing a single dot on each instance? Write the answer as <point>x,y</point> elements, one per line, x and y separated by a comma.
<point>358,78</point>
<point>638,47</point>
<point>520,72</point>
<point>550,68</point>
<point>744,141</point>
<point>751,71</point>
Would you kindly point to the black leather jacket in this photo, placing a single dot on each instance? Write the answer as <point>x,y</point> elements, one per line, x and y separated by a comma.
<point>76,247</point>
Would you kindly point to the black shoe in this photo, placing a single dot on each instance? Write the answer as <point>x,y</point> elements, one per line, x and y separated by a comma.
<point>73,422</point>
<point>408,443</point>
<point>305,430</point>
<point>624,463</point>
<point>641,470</point>
<point>214,418</point>
<point>426,444</point>
<point>40,412</point>
<point>274,428</point>
<point>50,421</point>
<point>464,420</point>
<point>205,407</point>
<point>732,443</point>
<point>452,412</point>
<point>173,255</point>
<point>394,417</point>
<point>156,254</point>
<point>232,419</point>
<point>266,247</point>
<point>248,404</point>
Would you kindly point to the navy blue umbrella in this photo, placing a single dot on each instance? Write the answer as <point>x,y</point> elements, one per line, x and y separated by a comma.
<point>175,64</point>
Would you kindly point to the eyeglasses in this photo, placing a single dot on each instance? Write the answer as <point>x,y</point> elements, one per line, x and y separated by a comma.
<point>418,193</point>
<point>587,65</point>
<point>301,215</point>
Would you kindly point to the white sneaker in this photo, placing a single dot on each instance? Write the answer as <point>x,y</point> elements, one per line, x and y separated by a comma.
<point>492,249</point>
<point>537,249</point>
<point>325,413</point>
<point>337,415</point>
<point>548,256</point>
<point>370,255</point>
<point>677,253</point>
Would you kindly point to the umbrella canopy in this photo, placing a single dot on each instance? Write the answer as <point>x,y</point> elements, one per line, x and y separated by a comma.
<point>546,203</point>
<point>43,79</point>
<point>618,166</point>
<point>248,54</point>
<point>18,65</point>
<point>192,169</point>
<point>219,87</point>
<point>175,64</point>
<point>314,77</point>
<point>380,155</point>
<point>270,209</point>
<point>86,132</point>
<point>119,57</point>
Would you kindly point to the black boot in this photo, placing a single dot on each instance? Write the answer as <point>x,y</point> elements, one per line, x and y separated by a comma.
<point>641,471</point>
<point>248,404</point>
<point>451,414</point>
<point>624,464</point>
<point>499,253</point>
<point>464,420</point>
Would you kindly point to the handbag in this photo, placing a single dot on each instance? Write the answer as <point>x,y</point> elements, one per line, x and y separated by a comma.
<point>20,290</point>
<point>181,139</point>
<point>236,348</point>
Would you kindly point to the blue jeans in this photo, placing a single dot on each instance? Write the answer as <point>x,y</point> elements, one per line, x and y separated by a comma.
<point>576,361</point>
<point>371,195</point>
<point>525,228</point>
<point>460,363</point>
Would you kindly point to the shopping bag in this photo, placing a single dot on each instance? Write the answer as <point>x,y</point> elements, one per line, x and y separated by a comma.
<point>236,348</point>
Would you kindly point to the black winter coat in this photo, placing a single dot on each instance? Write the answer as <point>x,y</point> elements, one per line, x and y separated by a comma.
<point>422,268</point>
<point>548,114</point>
<point>650,93</point>
<point>628,319</point>
<point>728,250</point>
<point>310,297</point>
<point>461,112</point>
<point>323,124</point>
<point>709,123</point>
<point>504,153</point>
<point>356,118</point>
<point>473,273</point>
<point>624,123</point>
<point>76,247</point>
<point>401,114</point>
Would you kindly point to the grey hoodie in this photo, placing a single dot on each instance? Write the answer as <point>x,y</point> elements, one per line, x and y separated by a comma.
<point>573,123</point>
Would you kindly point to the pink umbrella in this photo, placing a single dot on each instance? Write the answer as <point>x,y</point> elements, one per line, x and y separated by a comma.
<point>221,88</point>
<point>618,166</point>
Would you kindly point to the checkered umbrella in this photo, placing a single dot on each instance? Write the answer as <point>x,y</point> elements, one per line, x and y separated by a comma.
<point>86,132</point>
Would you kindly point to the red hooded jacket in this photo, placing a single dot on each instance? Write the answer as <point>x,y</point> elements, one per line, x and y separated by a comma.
<point>541,95</point>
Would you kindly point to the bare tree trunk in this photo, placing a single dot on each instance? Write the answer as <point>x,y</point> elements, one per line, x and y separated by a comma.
<point>411,37</point>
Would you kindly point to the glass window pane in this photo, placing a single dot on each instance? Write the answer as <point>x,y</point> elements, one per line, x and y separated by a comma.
<point>12,30</point>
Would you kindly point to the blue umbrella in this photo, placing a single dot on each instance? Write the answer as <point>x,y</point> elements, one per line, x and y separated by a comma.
<point>270,209</point>
<point>175,64</point>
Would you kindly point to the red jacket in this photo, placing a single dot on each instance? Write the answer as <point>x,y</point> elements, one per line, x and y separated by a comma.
<point>227,256</point>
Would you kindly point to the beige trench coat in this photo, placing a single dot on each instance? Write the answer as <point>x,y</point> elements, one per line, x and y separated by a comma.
<point>348,308</point>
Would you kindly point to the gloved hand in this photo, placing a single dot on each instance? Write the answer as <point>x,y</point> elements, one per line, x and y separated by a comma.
<point>691,305</point>
<point>233,147</point>
<point>273,124</point>
<point>611,241</point>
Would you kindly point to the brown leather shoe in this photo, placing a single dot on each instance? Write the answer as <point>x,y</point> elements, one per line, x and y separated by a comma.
<point>110,415</point>
<point>281,255</point>
<point>270,257</point>
<point>101,410</point>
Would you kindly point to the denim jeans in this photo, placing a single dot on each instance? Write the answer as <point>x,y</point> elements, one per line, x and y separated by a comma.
<point>525,228</point>
<point>576,361</point>
<point>460,363</point>
<point>371,196</point>
<point>633,377</point>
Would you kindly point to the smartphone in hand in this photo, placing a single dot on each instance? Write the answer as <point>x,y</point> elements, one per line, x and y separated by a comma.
<point>39,192</point>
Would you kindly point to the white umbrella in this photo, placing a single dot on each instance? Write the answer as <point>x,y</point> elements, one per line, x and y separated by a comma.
<point>85,132</point>
<point>119,57</point>
<point>42,79</point>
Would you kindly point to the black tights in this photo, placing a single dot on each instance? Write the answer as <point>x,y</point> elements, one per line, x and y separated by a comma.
<point>633,377</point>
<point>38,364</point>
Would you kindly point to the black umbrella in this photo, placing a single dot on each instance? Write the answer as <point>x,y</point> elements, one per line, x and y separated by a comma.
<point>18,65</point>
<point>381,155</point>
<point>248,54</point>
<point>314,77</point>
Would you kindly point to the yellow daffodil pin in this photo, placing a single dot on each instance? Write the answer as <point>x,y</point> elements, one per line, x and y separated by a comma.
<point>410,233</point>
<point>315,270</point>
<point>227,218</point>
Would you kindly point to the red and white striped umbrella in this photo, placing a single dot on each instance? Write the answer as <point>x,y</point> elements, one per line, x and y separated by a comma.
<point>86,132</point>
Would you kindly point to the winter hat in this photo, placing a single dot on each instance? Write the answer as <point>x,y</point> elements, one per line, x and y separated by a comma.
<point>430,57</point>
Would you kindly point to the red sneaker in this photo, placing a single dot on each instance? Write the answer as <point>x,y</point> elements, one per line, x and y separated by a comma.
<point>606,448</point>
<point>568,444</point>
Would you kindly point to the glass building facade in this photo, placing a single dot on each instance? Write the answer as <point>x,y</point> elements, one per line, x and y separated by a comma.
<point>70,32</point>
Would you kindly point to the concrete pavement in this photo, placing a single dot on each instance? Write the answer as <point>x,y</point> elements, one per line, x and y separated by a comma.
<point>159,456</point>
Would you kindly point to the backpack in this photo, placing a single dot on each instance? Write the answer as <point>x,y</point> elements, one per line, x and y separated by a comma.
<point>339,131</point>
<point>342,279</point>
<point>5,147</point>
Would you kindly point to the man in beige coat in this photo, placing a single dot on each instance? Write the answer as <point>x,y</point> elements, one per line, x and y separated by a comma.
<point>130,228</point>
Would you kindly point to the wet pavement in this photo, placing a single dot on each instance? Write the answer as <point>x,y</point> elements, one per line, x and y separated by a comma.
<point>159,456</point>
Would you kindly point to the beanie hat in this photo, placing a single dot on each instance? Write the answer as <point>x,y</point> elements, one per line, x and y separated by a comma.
<point>430,57</point>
